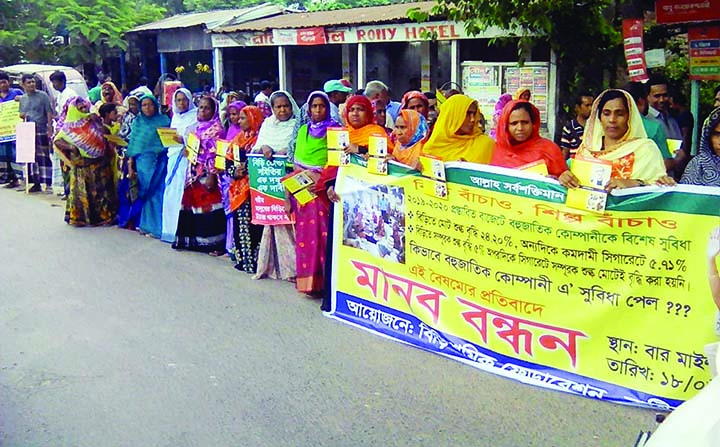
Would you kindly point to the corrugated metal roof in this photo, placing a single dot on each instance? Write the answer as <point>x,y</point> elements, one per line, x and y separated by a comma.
<point>211,19</point>
<point>374,14</point>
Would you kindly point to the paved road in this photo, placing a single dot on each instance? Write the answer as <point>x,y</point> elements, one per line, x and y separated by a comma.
<point>111,339</point>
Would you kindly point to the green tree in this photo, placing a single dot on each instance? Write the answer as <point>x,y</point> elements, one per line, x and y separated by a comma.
<point>585,34</point>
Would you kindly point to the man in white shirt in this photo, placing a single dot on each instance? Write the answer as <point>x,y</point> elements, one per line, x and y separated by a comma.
<point>659,100</point>
<point>265,91</point>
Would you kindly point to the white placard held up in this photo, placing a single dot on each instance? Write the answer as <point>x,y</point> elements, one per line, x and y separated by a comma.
<point>25,143</point>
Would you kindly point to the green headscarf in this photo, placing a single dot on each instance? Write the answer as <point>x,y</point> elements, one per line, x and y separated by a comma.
<point>144,136</point>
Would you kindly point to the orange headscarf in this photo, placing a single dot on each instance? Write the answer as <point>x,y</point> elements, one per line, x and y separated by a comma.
<point>408,148</point>
<point>117,96</point>
<point>510,154</point>
<point>448,145</point>
<point>240,188</point>
<point>362,134</point>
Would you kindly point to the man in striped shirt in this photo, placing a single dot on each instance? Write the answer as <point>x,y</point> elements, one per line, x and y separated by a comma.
<point>572,133</point>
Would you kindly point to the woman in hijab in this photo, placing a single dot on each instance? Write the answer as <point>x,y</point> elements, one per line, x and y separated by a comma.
<point>92,198</point>
<point>202,223</point>
<point>417,101</point>
<point>148,162</point>
<point>233,115</point>
<point>457,136</point>
<point>276,258</point>
<point>380,111</point>
<point>411,131</point>
<point>312,218</point>
<point>358,116</point>
<point>519,142</point>
<point>615,132</point>
<point>184,118</point>
<point>246,235</point>
<point>110,95</point>
<point>704,168</point>
<point>523,93</point>
<point>499,106</point>
<point>232,130</point>
<point>132,104</point>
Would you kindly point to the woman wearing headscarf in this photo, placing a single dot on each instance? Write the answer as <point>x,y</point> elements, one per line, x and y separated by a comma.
<point>132,104</point>
<point>359,119</point>
<point>184,119</point>
<point>499,106</point>
<point>704,168</point>
<point>519,142</point>
<point>276,257</point>
<point>312,218</point>
<point>523,93</point>
<point>246,235</point>
<point>148,162</point>
<point>109,94</point>
<point>202,223</point>
<point>233,116</point>
<point>417,101</point>
<point>457,136</point>
<point>232,130</point>
<point>411,131</point>
<point>615,133</point>
<point>92,198</point>
<point>380,112</point>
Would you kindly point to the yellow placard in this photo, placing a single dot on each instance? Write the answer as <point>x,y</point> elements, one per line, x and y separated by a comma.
<point>377,165</point>
<point>193,147</point>
<point>591,172</point>
<point>587,199</point>
<point>377,146</point>
<point>674,145</point>
<point>502,275</point>
<point>536,167</point>
<point>337,158</point>
<point>115,139</point>
<point>167,136</point>
<point>338,138</point>
<point>432,167</point>
<point>9,117</point>
<point>297,181</point>
<point>305,196</point>
<point>221,150</point>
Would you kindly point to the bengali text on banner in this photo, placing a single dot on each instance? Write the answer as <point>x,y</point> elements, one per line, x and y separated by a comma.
<point>9,118</point>
<point>267,193</point>
<point>503,276</point>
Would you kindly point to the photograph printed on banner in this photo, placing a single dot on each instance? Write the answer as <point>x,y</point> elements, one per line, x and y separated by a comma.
<point>374,219</point>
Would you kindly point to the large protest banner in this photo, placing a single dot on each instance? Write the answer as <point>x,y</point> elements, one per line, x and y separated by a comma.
<point>504,277</point>
<point>267,193</point>
<point>9,117</point>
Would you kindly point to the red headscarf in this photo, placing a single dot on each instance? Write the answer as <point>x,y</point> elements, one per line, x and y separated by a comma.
<point>361,135</point>
<point>511,154</point>
<point>414,94</point>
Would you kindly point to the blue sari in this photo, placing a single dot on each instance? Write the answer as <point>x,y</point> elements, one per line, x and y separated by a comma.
<point>150,158</point>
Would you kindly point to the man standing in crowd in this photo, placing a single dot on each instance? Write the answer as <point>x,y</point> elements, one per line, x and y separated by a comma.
<point>653,128</point>
<point>262,99</point>
<point>659,111</point>
<point>572,133</point>
<point>337,93</point>
<point>142,89</point>
<point>378,90</point>
<point>59,83</point>
<point>35,107</point>
<point>8,175</point>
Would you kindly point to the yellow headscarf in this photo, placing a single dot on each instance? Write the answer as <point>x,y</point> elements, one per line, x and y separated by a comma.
<point>446,144</point>
<point>634,156</point>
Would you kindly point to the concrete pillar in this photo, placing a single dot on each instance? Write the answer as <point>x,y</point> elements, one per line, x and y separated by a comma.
<point>283,77</point>
<point>455,62</point>
<point>217,68</point>
<point>347,72</point>
<point>553,88</point>
<point>361,67</point>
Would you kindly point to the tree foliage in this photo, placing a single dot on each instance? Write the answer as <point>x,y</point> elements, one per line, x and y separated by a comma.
<point>585,34</point>
<point>69,31</point>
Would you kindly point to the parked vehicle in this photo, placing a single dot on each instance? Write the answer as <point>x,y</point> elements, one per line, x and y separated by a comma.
<point>42,74</point>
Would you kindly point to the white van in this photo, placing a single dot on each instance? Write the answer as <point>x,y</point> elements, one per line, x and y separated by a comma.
<point>42,74</point>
